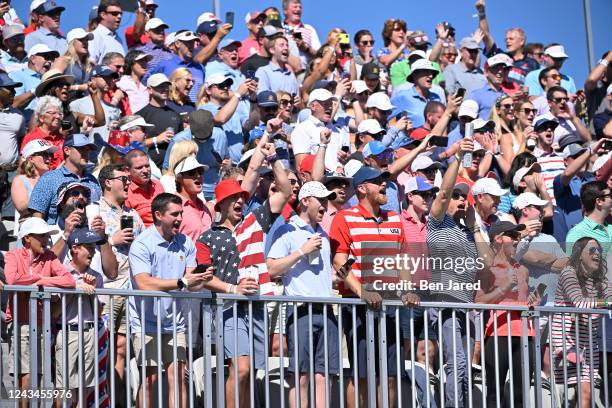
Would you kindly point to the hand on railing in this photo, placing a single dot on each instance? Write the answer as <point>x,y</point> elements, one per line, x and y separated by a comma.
<point>247,286</point>
<point>411,299</point>
<point>87,288</point>
<point>373,299</point>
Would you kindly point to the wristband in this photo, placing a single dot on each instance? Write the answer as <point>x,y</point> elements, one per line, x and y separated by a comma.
<point>110,241</point>
<point>322,146</point>
<point>603,62</point>
<point>457,157</point>
<point>65,237</point>
<point>302,254</point>
<point>271,158</point>
<point>229,288</point>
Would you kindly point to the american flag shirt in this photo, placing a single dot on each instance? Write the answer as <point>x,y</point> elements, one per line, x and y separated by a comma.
<point>236,254</point>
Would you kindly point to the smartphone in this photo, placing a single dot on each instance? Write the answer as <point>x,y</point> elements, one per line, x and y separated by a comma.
<point>229,17</point>
<point>126,221</point>
<point>343,38</point>
<point>540,289</point>
<point>297,35</point>
<point>460,92</point>
<point>201,268</point>
<point>440,141</point>
<point>66,125</point>
<point>250,74</point>
<point>346,149</point>
<point>607,145</point>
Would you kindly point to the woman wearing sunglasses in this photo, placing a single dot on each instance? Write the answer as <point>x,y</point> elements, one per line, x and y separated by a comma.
<point>505,282</point>
<point>525,113</point>
<point>582,284</point>
<point>510,141</point>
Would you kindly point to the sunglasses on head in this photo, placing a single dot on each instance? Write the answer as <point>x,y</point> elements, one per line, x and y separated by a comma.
<point>124,179</point>
<point>457,194</point>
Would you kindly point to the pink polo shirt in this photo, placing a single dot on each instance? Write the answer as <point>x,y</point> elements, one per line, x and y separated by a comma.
<point>140,200</point>
<point>196,218</point>
<point>415,245</point>
<point>249,47</point>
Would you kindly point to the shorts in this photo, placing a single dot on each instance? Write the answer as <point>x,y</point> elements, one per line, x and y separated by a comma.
<point>277,311</point>
<point>241,327</point>
<point>71,353</point>
<point>167,348</point>
<point>362,350</point>
<point>23,361</point>
<point>117,314</point>
<point>418,317</point>
<point>304,331</point>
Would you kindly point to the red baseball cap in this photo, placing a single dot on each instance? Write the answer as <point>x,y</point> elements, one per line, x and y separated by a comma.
<point>228,188</point>
<point>419,133</point>
<point>307,163</point>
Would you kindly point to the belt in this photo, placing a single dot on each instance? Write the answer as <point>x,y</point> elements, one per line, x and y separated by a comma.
<point>75,326</point>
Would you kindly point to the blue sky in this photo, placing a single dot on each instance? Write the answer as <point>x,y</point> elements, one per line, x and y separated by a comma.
<point>544,20</point>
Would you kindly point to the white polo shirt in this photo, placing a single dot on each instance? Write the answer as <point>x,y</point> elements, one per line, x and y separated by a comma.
<point>307,135</point>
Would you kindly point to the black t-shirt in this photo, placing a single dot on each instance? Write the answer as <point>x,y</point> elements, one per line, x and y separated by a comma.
<point>162,119</point>
<point>253,63</point>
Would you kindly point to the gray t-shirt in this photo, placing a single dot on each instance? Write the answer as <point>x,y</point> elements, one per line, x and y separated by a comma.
<point>12,128</point>
<point>85,106</point>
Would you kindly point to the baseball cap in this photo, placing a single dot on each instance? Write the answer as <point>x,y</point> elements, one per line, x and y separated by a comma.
<point>500,59</point>
<point>359,86</point>
<point>572,150</point>
<point>320,95</point>
<point>35,225</point>
<point>418,183</point>
<point>93,13</point>
<point>522,172</point>
<point>370,126</point>
<point>185,36</point>
<point>137,121</point>
<point>155,23</point>
<point>416,53</point>
<point>48,6</point>
<point>370,71</point>
<point>216,79</point>
<point>65,187</point>
<point>246,157</point>
<point>423,161</point>
<point>81,236</point>
<point>468,108</point>
<point>609,90</point>
<point>418,38</point>
<point>501,227</point>
<point>332,175</point>
<point>421,65</point>
<point>201,124</point>
<point>469,43</point>
<point>156,80</point>
<point>78,34</point>
<point>35,4</point>
<point>256,133</point>
<point>37,146</point>
<point>543,120</point>
<point>252,15</point>
<point>206,17</point>
<point>77,140</point>
<point>366,173</point>
<point>226,42</point>
<point>463,187</point>
<point>379,100</point>
<point>103,71</point>
<point>151,3</point>
<point>267,99</point>
<point>556,51</point>
<point>374,148</point>
<point>570,138</point>
<point>351,167</point>
<point>481,124</point>
<point>402,141</point>
<point>227,188</point>
<point>315,189</point>
<point>488,185</point>
<point>9,31</point>
<point>207,27</point>
<point>271,31</point>
<point>601,161</point>
<point>169,40</point>
<point>525,199</point>
<point>41,49</point>
<point>187,164</point>
<point>7,82</point>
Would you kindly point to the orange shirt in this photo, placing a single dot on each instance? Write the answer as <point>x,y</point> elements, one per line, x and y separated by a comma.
<point>140,200</point>
<point>57,140</point>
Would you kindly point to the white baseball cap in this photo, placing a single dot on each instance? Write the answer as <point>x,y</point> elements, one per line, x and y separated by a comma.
<point>41,49</point>
<point>500,59</point>
<point>78,34</point>
<point>320,94</point>
<point>35,4</point>
<point>528,198</point>
<point>351,167</point>
<point>379,100</point>
<point>370,126</point>
<point>609,90</point>
<point>522,172</point>
<point>155,23</point>
<point>216,79</point>
<point>423,161</point>
<point>359,86</point>
<point>185,36</point>
<point>187,164</point>
<point>37,146</point>
<point>488,185</point>
<point>481,124</point>
<point>468,108</point>
<point>35,225</point>
<point>556,51</point>
<point>156,80</point>
<point>207,16</point>
<point>315,189</point>
<point>139,121</point>
<point>169,40</point>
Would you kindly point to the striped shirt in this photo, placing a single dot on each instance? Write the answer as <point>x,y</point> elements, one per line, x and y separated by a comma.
<point>552,164</point>
<point>368,240</point>
<point>449,244</point>
<point>415,244</point>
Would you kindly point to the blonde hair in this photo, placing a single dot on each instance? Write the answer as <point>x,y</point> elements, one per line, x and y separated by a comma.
<point>177,75</point>
<point>501,126</point>
<point>108,156</point>
<point>202,96</point>
<point>73,59</point>
<point>179,151</point>
<point>27,168</point>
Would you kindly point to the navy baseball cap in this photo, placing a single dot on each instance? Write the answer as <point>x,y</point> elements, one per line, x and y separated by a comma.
<point>81,236</point>
<point>207,27</point>
<point>7,82</point>
<point>78,140</point>
<point>419,183</point>
<point>267,99</point>
<point>541,121</point>
<point>103,71</point>
<point>366,173</point>
<point>256,133</point>
<point>48,6</point>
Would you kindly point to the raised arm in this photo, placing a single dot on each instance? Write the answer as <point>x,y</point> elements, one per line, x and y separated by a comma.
<point>210,50</point>
<point>597,73</point>
<point>483,24</point>
<point>283,188</point>
<point>227,111</point>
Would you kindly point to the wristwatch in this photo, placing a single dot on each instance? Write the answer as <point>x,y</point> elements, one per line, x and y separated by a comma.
<point>604,62</point>
<point>181,283</point>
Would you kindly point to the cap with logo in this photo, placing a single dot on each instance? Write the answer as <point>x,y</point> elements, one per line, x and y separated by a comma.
<point>226,42</point>
<point>156,80</point>
<point>379,100</point>
<point>488,185</point>
<point>422,162</point>
<point>201,124</point>
<point>185,36</point>
<point>320,95</point>
<point>78,140</point>
<point>522,172</point>
<point>419,183</point>
<point>555,51</point>
<point>36,226</point>
<point>469,108</point>
<point>42,49</point>
<point>498,59</point>
<point>370,126</point>
<point>370,71</point>
<point>48,7</point>
<point>207,27</point>
<point>10,31</point>
<point>267,99</point>
<point>366,173</point>
<point>78,34</point>
<point>469,43</point>
<point>421,65</point>
<point>217,79</point>
<point>315,189</point>
<point>37,146</point>
<point>501,227</point>
<point>375,148</point>
<point>83,236</point>
<point>154,23</point>
<point>187,164</point>
<point>526,199</point>
<point>573,149</point>
<point>103,71</point>
<point>207,17</point>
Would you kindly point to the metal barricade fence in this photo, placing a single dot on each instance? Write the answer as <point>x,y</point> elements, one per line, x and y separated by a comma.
<point>345,353</point>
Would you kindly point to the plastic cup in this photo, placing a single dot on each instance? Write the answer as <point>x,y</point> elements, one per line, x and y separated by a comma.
<point>92,211</point>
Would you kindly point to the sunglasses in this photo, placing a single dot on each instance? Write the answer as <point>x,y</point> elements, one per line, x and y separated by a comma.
<point>115,13</point>
<point>528,111</point>
<point>294,182</point>
<point>564,99</point>
<point>546,128</point>
<point>193,173</point>
<point>507,106</point>
<point>76,193</point>
<point>425,195</point>
<point>118,67</point>
<point>366,42</point>
<point>428,172</point>
<point>556,77</point>
<point>594,250</point>
<point>224,85</point>
<point>285,102</point>
<point>124,179</point>
<point>478,155</point>
<point>457,194</point>
<point>398,29</point>
<point>605,195</point>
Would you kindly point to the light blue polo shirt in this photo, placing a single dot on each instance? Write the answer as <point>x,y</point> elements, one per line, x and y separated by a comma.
<point>56,42</point>
<point>532,80</point>
<point>303,278</point>
<point>413,104</point>
<point>485,98</point>
<point>273,78</point>
<point>232,129</point>
<point>220,67</point>
<point>151,253</point>
<point>30,80</point>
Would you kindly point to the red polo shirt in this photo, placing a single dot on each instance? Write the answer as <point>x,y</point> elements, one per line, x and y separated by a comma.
<point>55,139</point>
<point>140,200</point>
